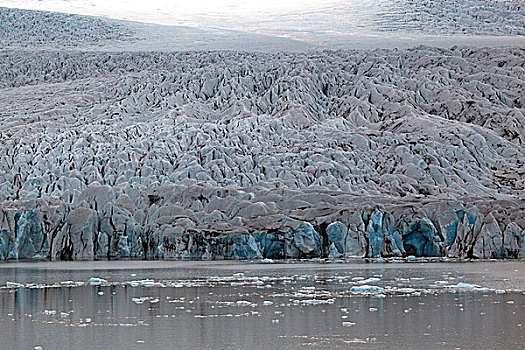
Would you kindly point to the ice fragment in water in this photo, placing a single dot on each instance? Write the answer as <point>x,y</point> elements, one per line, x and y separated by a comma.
<point>14,285</point>
<point>366,289</point>
<point>94,281</point>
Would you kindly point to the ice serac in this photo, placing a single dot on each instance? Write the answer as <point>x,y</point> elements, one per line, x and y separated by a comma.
<point>238,247</point>
<point>489,243</point>
<point>30,242</point>
<point>393,240</point>
<point>514,241</point>
<point>376,234</point>
<point>337,234</point>
<point>7,245</point>
<point>75,241</point>
<point>303,242</point>
<point>420,237</point>
<point>271,245</point>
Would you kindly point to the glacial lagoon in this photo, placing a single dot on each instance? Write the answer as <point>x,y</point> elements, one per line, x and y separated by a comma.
<point>395,304</point>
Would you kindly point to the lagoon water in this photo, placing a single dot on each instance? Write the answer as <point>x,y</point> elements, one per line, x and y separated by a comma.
<point>249,305</point>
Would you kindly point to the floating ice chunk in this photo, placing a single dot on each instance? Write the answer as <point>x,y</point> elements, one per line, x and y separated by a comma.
<point>411,258</point>
<point>500,291</point>
<point>357,278</point>
<point>372,309</point>
<point>49,312</point>
<point>141,300</point>
<point>14,285</point>
<point>462,285</point>
<point>100,293</point>
<point>267,302</point>
<point>348,324</point>
<point>71,284</point>
<point>366,288</point>
<point>406,290</point>
<point>95,281</point>
<point>243,302</point>
<point>369,280</point>
<point>441,282</point>
<point>267,261</point>
<point>146,283</point>
<point>314,301</point>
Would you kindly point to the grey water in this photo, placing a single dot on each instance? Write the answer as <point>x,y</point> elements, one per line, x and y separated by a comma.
<point>239,305</point>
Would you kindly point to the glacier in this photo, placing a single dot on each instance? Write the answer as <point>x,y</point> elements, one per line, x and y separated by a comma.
<point>256,155</point>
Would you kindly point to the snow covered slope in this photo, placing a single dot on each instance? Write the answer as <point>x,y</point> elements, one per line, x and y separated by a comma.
<point>230,154</point>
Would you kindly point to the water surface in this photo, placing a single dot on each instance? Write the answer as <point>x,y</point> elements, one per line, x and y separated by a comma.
<point>235,305</point>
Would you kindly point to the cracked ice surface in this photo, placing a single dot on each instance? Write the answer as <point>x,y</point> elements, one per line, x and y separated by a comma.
<point>346,153</point>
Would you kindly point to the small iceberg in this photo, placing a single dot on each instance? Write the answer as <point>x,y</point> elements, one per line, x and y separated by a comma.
<point>314,301</point>
<point>14,285</point>
<point>146,283</point>
<point>369,280</point>
<point>467,287</point>
<point>95,281</point>
<point>406,290</point>
<point>366,288</point>
<point>141,300</point>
